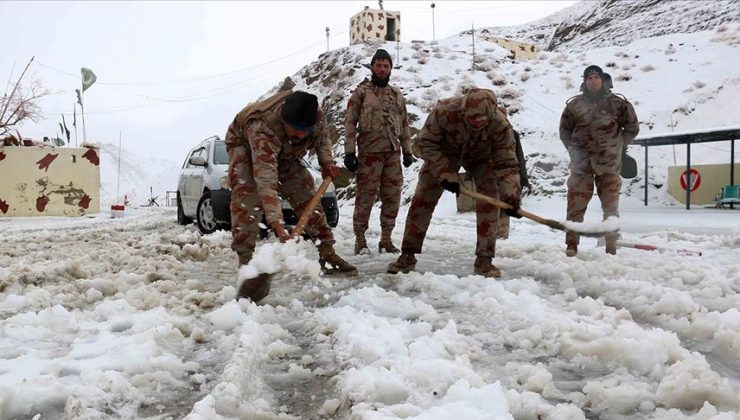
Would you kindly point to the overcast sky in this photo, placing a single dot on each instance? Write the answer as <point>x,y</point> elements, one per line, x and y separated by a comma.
<point>173,73</point>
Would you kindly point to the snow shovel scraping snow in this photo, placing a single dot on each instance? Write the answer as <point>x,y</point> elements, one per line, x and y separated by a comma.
<point>554,224</point>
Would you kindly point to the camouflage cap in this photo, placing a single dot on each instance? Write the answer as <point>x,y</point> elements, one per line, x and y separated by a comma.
<point>478,102</point>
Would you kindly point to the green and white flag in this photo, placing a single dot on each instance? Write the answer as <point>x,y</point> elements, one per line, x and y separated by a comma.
<point>88,78</point>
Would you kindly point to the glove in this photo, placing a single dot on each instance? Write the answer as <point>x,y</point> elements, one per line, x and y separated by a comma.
<point>350,162</point>
<point>514,210</point>
<point>408,159</point>
<point>281,233</point>
<point>329,170</point>
<point>451,186</point>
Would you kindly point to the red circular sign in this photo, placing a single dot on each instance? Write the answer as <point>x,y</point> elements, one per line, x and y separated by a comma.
<point>690,177</point>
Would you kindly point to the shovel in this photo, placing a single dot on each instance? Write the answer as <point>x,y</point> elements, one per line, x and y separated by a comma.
<point>259,287</point>
<point>554,224</point>
<point>298,229</point>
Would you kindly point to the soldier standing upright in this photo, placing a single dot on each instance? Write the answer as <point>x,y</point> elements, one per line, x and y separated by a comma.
<point>265,144</point>
<point>376,123</point>
<point>469,132</point>
<point>596,127</point>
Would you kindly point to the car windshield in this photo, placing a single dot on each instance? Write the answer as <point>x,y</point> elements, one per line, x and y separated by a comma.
<point>219,155</point>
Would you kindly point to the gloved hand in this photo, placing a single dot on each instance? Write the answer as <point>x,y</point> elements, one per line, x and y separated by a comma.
<point>350,162</point>
<point>330,170</point>
<point>451,186</point>
<point>408,159</point>
<point>515,203</point>
<point>281,233</point>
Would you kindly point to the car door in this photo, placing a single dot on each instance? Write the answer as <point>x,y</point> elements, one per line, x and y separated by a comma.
<point>193,181</point>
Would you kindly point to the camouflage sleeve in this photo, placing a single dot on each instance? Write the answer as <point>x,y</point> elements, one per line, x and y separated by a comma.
<point>629,123</point>
<point>351,118</point>
<point>323,144</point>
<point>405,132</point>
<point>265,148</point>
<point>566,126</point>
<point>430,140</point>
<point>505,162</point>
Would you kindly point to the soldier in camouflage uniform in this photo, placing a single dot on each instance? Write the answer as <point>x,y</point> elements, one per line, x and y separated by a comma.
<point>265,144</point>
<point>596,127</point>
<point>382,136</point>
<point>469,132</point>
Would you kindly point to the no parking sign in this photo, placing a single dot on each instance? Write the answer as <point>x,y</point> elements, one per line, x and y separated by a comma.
<point>692,178</point>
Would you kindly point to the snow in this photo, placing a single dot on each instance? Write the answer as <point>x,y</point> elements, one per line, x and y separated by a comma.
<point>135,317</point>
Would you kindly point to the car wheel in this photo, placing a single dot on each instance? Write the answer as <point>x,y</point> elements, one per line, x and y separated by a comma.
<point>181,218</point>
<point>204,215</point>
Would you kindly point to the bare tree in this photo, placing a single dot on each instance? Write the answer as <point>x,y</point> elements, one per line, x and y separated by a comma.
<point>21,104</point>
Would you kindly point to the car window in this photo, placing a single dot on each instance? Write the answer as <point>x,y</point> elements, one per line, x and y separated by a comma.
<point>220,157</point>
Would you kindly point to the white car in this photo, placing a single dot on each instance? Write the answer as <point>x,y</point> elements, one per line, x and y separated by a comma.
<point>203,193</point>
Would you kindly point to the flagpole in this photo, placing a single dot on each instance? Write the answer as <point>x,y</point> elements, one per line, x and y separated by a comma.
<point>82,109</point>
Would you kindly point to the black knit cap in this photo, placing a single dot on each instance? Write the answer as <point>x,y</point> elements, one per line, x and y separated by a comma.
<point>300,111</point>
<point>381,55</point>
<point>593,69</point>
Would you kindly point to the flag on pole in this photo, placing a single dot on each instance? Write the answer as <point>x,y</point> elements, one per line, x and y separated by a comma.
<point>74,117</point>
<point>88,78</point>
<point>66,130</point>
<point>79,96</point>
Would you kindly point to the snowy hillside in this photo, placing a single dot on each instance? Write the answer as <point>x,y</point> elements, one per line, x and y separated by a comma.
<point>597,24</point>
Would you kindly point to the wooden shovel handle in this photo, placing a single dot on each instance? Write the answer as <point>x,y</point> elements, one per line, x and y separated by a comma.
<point>298,229</point>
<point>502,204</point>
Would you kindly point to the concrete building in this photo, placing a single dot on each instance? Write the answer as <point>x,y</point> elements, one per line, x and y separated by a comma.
<point>374,24</point>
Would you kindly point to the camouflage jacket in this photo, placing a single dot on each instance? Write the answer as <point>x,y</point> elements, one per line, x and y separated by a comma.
<point>446,142</point>
<point>381,116</point>
<point>600,129</point>
<point>259,127</point>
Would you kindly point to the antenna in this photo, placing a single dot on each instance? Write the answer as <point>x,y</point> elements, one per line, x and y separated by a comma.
<point>327,39</point>
<point>118,180</point>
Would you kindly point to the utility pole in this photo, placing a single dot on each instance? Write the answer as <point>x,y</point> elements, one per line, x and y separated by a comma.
<point>472,33</point>
<point>327,39</point>
<point>434,35</point>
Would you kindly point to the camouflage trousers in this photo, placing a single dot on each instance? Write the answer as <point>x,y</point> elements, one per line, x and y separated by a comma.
<point>378,175</point>
<point>295,184</point>
<point>427,194</point>
<point>580,191</point>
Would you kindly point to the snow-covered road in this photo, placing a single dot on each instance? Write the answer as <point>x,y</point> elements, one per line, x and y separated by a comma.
<point>135,318</point>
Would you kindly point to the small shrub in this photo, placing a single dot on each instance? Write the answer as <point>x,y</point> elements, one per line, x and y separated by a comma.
<point>611,64</point>
<point>499,80</point>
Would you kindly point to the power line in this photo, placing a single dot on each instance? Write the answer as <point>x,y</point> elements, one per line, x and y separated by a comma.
<point>230,82</point>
